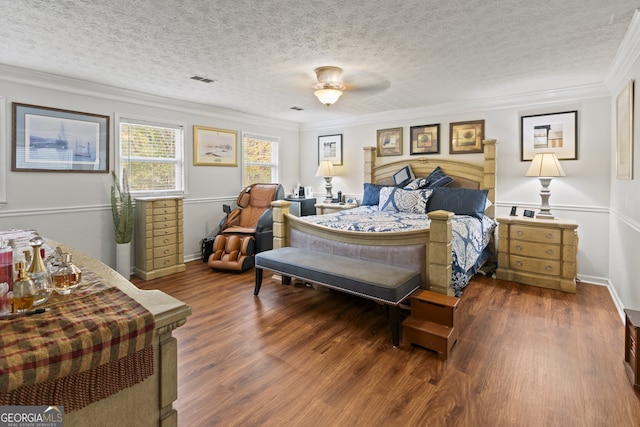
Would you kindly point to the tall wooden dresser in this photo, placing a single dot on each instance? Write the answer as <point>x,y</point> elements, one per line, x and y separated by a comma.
<point>538,252</point>
<point>159,244</point>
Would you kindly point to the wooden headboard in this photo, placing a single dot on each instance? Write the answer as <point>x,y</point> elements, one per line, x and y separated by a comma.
<point>465,175</point>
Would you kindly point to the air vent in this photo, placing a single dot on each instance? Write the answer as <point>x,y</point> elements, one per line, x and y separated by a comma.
<point>297,108</point>
<point>202,79</point>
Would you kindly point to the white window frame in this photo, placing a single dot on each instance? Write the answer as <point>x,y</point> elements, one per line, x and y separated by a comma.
<point>181,184</point>
<point>275,160</point>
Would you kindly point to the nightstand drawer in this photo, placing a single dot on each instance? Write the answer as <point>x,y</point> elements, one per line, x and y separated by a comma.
<point>533,265</point>
<point>536,250</point>
<point>536,234</point>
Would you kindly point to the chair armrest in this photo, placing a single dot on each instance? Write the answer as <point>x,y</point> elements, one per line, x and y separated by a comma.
<point>265,222</point>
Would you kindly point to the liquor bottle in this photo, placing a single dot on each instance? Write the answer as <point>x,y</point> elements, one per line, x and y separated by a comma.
<point>23,290</point>
<point>66,277</point>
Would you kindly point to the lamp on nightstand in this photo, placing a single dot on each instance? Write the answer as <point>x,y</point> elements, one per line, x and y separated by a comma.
<point>326,170</point>
<point>545,166</point>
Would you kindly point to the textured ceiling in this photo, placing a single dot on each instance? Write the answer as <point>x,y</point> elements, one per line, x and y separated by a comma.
<point>395,54</point>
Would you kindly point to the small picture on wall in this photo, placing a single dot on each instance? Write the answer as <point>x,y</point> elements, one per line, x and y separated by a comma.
<point>466,137</point>
<point>425,139</point>
<point>390,142</point>
<point>555,132</point>
<point>330,148</point>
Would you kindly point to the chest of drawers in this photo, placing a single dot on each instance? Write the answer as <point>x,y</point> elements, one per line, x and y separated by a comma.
<point>159,237</point>
<point>538,252</point>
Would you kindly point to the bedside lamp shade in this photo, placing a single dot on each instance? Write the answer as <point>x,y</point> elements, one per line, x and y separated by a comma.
<point>326,170</point>
<point>545,166</point>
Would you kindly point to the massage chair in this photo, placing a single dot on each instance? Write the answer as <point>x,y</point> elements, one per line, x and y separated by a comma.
<point>246,230</point>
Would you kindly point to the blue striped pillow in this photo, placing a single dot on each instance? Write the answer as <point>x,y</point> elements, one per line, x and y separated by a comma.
<point>438,178</point>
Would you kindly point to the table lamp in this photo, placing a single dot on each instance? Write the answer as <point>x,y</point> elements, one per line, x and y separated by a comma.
<point>545,166</point>
<point>326,170</point>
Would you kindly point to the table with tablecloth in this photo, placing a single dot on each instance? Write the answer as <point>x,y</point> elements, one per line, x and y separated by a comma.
<point>101,340</point>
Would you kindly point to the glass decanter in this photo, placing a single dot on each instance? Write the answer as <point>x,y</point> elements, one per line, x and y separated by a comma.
<point>38,272</point>
<point>67,276</point>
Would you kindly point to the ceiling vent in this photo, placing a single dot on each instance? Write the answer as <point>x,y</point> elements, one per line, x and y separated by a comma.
<point>202,79</point>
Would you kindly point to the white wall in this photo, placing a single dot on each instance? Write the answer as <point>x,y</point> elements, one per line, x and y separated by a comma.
<point>74,207</point>
<point>624,246</point>
<point>582,195</point>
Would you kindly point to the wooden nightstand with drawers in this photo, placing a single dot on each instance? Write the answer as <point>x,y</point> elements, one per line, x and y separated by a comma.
<point>159,244</point>
<point>538,252</point>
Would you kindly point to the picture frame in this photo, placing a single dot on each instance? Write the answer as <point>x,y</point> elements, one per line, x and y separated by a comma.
<point>214,147</point>
<point>425,139</point>
<point>624,132</point>
<point>549,133</point>
<point>529,213</point>
<point>59,140</point>
<point>466,137</point>
<point>389,142</point>
<point>330,148</point>
<point>514,211</point>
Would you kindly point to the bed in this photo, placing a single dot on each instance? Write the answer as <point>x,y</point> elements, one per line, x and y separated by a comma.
<point>430,246</point>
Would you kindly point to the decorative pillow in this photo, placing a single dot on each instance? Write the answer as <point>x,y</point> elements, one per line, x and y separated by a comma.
<point>438,178</point>
<point>403,176</point>
<point>416,184</point>
<point>460,201</point>
<point>394,199</point>
<point>371,195</point>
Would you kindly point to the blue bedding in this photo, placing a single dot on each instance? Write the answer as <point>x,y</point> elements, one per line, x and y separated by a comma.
<point>470,235</point>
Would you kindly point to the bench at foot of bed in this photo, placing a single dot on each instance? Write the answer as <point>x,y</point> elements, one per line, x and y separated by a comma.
<point>384,283</point>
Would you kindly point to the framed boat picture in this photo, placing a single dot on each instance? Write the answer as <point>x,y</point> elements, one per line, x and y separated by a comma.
<point>54,140</point>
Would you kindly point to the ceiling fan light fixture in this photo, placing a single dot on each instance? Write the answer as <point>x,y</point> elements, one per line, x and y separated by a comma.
<point>329,87</point>
<point>328,96</point>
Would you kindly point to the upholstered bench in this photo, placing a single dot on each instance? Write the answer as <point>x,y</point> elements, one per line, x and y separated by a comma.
<point>384,283</point>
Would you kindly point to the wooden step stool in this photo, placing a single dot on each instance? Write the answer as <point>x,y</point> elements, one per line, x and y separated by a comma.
<point>431,323</point>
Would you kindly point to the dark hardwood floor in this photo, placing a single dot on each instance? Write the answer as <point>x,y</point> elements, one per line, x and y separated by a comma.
<point>298,356</point>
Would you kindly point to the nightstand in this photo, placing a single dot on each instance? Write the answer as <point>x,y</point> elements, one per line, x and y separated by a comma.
<point>631,336</point>
<point>326,207</point>
<point>301,206</point>
<point>538,252</point>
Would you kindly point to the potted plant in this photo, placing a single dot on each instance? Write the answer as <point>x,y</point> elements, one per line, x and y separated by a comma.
<point>122,213</point>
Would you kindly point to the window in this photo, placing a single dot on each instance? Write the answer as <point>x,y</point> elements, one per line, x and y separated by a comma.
<point>259,159</point>
<point>151,156</point>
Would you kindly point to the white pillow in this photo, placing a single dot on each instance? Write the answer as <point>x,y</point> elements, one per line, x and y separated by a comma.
<point>394,199</point>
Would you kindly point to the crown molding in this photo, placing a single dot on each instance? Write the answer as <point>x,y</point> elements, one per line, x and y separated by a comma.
<point>627,54</point>
<point>474,106</point>
<point>83,87</point>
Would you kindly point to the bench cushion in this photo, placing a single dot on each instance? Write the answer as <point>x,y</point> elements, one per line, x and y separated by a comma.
<point>382,282</point>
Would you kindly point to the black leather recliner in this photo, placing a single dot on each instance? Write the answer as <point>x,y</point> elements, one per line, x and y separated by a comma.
<point>246,230</point>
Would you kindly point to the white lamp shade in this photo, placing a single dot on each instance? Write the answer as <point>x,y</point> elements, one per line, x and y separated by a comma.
<point>545,165</point>
<point>325,168</point>
<point>328,96</point>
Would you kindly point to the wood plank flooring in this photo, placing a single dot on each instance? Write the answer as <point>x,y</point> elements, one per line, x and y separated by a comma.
<point>299,356</point>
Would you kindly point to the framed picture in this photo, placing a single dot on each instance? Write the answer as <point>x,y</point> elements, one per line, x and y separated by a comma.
<point>425,139</point>
<point>330,148</point>
<point>549,133</point>
<point>54,140</point>
<point>466,137</point>
<point>390,142</point>
<point>624,133</point>
<point>215,147</point>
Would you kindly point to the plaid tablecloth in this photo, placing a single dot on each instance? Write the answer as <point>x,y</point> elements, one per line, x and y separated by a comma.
<point>83,331</point>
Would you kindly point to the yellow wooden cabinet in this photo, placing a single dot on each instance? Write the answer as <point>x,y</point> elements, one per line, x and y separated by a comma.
<point>159,243</point>
<point>538,252</point>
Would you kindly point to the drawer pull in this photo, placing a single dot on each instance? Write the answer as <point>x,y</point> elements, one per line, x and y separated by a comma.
<point>549,235</point>
<point>518,248</point>
<point>519,233</point>
<point>550,251</point>
<point>519,263</point>
<point>166,240</point>
<point>548,268</point>
<point>166,251</point>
